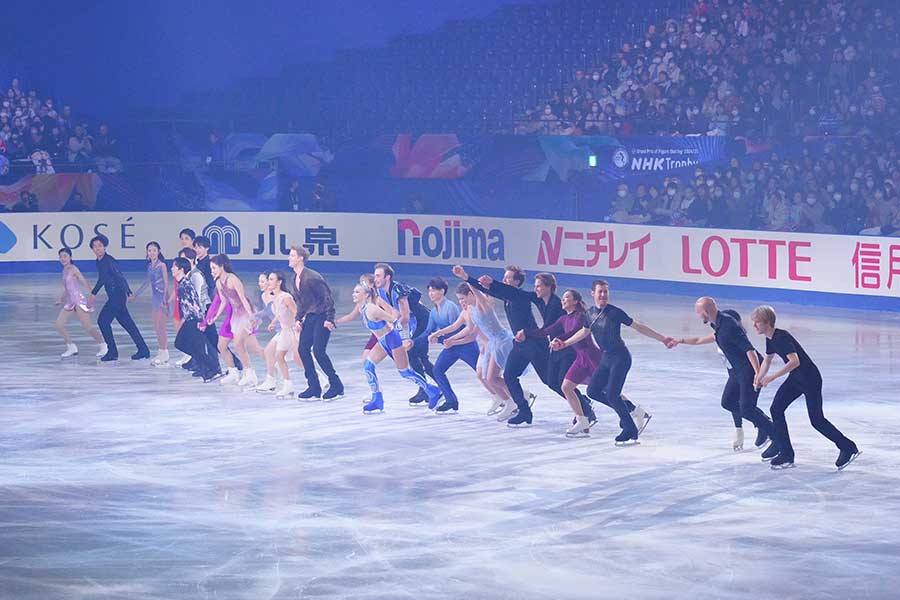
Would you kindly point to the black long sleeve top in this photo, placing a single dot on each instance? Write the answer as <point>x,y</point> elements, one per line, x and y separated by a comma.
<point>110,276</point>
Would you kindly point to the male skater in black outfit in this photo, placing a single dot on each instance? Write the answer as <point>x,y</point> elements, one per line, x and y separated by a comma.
<point>315,317</point>
<point>117,291</point>
<point>190,339</point>
<point>803,378</point>
<point>534,350</point>
<point>744,360</point>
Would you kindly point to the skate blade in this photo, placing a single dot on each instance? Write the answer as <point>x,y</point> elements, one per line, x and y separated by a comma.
<point>627,443</point>
<point>333,398</point>
<point>764,445</point>
<point>647,418</point>
<point>577,435</point>
<point>738,449</point>
<point>782,467</point>
<point>492,413</point>
<point>852,458</point>
<point>373,412</point>
<point>454,411</point>
<point>531,400</point>
<point>309,399</point>
<point>518,425</point>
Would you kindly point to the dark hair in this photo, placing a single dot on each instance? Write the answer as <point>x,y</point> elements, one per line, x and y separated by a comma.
<point>598,282</point>
<point>736,316</point>
<point>579,301</point>
<point>463,289</point>
<point>65,250</point>
<point>161,257</point>
<point>547,279</point>
<point>266,273</point>
<point>301,251</point>
<point>202,241</point>
<point>388,270</point>
<point>438,283</point>
<point>182,263</point>
<point>99,238</point>
<point>518,273</point>
<point>282,280</point>
<point>188,253</point>
<point>222,260</point>
<point>190,233</point>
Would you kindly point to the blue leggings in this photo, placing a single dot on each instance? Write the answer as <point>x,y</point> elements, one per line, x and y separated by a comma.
<point>446,359</point>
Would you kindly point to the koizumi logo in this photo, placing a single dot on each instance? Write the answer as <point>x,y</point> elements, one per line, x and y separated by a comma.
<point>8,239</point>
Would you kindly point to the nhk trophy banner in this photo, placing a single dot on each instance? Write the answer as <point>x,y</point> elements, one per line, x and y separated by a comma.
<point>861,265</point>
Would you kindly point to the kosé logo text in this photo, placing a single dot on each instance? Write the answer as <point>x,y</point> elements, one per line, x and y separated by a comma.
<point>224,237</point>
<point>453,241</point>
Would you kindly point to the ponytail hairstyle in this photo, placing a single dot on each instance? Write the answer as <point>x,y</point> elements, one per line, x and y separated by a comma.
<point>222,261</point>
<point>162,258</point>
<point>282,279</point>
<point>367,284</point>
<point>579,301</point>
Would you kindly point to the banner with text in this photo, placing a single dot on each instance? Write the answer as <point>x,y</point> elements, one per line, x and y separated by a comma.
<point>792,261</point>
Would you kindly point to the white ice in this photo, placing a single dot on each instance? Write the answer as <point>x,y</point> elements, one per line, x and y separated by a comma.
<point>127,481</point>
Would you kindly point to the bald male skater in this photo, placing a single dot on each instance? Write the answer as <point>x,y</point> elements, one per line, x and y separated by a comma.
<point>744,360</point>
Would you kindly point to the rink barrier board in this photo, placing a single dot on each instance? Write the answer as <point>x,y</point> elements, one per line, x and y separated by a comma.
<point>848,271</point>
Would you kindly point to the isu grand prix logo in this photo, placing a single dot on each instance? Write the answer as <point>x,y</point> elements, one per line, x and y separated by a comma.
<point>8,239</point>
<point>620,158</point>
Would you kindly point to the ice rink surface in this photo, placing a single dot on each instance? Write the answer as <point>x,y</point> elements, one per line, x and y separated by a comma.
<point>128,481</point>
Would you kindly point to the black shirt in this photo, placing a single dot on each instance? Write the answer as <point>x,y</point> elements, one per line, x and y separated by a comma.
<point>606,326</point>
<point>516,302</point>
<point>111,277</point>
<point>733,341</point>
<point>782,344</point>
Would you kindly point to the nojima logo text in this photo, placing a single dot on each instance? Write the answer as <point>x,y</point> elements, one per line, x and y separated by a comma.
<point>453,241</point>
<point>7,238</point>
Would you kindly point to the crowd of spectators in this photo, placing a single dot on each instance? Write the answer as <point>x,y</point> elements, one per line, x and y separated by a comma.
<point>850,187</point>
<point>40,136</point>
<point>762,68</point>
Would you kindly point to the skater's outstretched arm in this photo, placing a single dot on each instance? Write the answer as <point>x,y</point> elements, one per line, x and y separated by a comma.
<point>349,316</point>
<point>651,333</point>
<point>696,341</point>
<point>459,322</point>
<point>558,344</point>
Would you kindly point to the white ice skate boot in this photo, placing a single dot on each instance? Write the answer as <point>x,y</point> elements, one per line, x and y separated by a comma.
<point>103,351</point>
<point>738,439</point>
<point>496,407</point>
<point>182,360</point>
<point>509,409</point>
<point>640,418</point>
<point>286,390</point>
<point>161,359</point>
<point>71,350</point>
<point>581,428</point>
<point>248,379</point>
<point>267,386</point>
<point>232,376</point>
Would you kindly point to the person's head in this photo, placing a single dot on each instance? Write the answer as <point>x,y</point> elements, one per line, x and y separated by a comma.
<point>189,254</point>
<point>154,252</point>
<point>298,256</point>
<point>363,293</point>
<point>186,236</point>
<point>763,318</point>
<point>201,246</point>
<point>277,281</point>
<point>600,292</point>
<point>513,275</point>
<point>706,309</point>
<point>65,256</point>
<point>544,284</point>
<point>263,281</point>
<point>437,289</point>
<point>180,267</point>
<point>98,244</point>
<point>220,265</point>
<point>367,279</point>
<point>572,301</point>
<point>384,275</point>
<point>464,295</point>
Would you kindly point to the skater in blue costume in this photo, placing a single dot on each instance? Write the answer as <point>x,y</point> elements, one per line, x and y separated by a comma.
<point>381,323</point>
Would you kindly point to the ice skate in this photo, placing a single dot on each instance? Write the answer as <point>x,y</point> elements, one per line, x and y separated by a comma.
<point>103,351</point>
<point>267,386</point>
<point>71,350</point>
<point>248,379</point>
<point>231,376</point>
<point>375,405</point>
<point>509,409</point>
<point>161,359</point>
<point>846,457</point>
<point>782,462</point>
<point>641,418</point>
<point>738,444</point>
<point>627,438</point>
<point>496,407</point>
<point>581,428</point>
<point>286,390</point>
<point>310,395</point>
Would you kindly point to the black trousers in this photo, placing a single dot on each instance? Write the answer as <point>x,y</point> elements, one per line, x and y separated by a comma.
<point>740,399</point>
<point>789,391</point>
<point>314,338</point>
<point>607,383</point>
<point>532,351</point>
<point>193,342</point>
<point>116,308</point>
